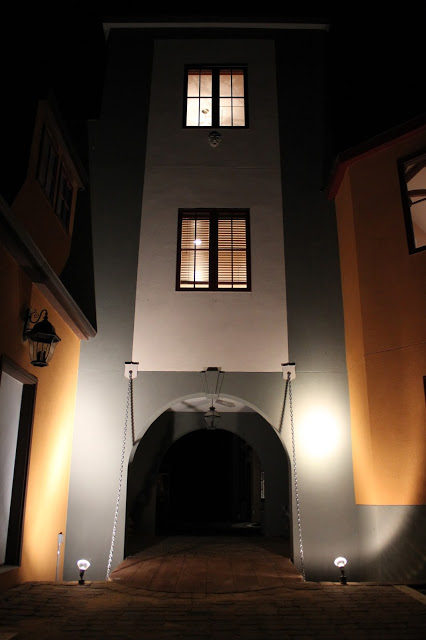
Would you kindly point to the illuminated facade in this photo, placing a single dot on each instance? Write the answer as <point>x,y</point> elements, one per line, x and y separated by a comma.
<point>39,209</point>
<point>214,247</point>
<point>379,191</point>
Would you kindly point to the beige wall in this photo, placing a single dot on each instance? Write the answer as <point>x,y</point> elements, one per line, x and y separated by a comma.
<point>175,330</point>
<point>384,307</point>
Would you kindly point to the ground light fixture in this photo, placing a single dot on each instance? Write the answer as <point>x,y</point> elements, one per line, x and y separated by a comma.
<point>212,418</point>
<point>82,565</point>
<point>341,563</point>
<point>42,337</point>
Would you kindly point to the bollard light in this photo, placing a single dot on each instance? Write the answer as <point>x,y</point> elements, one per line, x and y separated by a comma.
<point>341,563</point>
<point>82,565</point>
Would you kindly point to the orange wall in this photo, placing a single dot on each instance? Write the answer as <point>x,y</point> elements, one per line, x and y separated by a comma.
<point>36,214</point>
<point>384,306</point>
<point>50,455</point>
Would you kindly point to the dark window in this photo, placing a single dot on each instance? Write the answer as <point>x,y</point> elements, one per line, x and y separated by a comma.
<point>52,176</point>
<point>47,166</point>
<point>213,250</point>
<point>216,97</point>
<point>64,198</point>
<point>413,186</point>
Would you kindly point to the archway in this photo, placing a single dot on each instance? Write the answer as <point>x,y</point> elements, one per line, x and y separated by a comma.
<point>209,482</point>
<point>248,431</point>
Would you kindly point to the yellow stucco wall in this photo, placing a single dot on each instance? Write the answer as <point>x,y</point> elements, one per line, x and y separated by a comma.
<point>384,307</point>
<point>50,453</point>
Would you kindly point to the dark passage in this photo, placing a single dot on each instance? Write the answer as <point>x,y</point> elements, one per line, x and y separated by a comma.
<point>208,484</point>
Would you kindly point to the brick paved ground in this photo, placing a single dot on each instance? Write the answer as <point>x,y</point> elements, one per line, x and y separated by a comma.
<point>295,609</point>
<point>53,610</point>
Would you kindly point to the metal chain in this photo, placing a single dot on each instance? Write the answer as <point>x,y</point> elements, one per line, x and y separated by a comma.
<point>129,403</point>
<point>132,416</point>
<point>296,488</point>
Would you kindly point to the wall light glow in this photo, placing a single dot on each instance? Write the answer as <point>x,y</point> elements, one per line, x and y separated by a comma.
<point>197,241</point>
<point>319,433</point>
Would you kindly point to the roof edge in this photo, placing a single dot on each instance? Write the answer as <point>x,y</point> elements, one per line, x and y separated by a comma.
<point>378,143</point>
<point>240,24</point>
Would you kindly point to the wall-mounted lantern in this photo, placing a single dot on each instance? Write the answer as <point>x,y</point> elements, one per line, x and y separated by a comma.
<point>42,338</point>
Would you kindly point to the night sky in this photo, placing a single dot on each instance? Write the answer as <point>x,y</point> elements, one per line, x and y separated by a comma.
<point>375,60</point>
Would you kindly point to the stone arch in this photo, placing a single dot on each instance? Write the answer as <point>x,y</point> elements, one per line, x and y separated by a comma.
<point>170,426</point>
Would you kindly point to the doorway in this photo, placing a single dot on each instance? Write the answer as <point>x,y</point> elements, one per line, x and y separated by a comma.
<point>17,398</point>
<point>248,449</point>
<point>209,483</point>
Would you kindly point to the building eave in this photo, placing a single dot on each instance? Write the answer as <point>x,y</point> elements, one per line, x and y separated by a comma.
<point>378,143</point>
<point>108,25</point>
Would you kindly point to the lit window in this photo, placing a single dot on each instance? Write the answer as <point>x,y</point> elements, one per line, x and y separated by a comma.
<point>215,97</point>
<point>413,182</point>
<point>213,250</point>
<point>52,176</point>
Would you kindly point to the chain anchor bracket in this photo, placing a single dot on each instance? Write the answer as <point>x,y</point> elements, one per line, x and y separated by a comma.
<point>131,367</point>
<point>289,368</point>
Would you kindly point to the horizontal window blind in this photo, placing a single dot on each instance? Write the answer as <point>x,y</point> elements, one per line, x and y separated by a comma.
<point>194,265</point>
<point>232,253</point>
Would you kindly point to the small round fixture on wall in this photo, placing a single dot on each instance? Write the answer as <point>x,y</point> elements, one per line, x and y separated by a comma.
<point>215,138</point>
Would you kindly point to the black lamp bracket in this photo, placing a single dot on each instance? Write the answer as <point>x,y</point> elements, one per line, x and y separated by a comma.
<point>32,316</point>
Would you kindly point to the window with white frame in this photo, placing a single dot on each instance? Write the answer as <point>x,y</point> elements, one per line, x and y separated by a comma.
<point>413,184</point>
<point>213,250</point>
<point>216,96</point>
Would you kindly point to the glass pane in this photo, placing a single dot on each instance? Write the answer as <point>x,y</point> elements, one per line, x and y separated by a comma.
<point>224,234</point>
<point>238,103</point>
<point>239,234</point>
<point>225,83</point>
<point>239,266</point>
<point>224,270</point>
<point>195,235</point>
<point>232,256</point>
<point>206,83</point>
<point>192,105</point>
<point>51,174</point>
<point>415,178</point>
<point>187,233</point>
<point>201,267</point>
<point>205,112</point>
<point>187,264</point>
<point>225,116</point>
<point>44,154</point>
<point>237,82</point>
<point>238,117</point>
<point>193,83</point>
<point>202,232</point>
